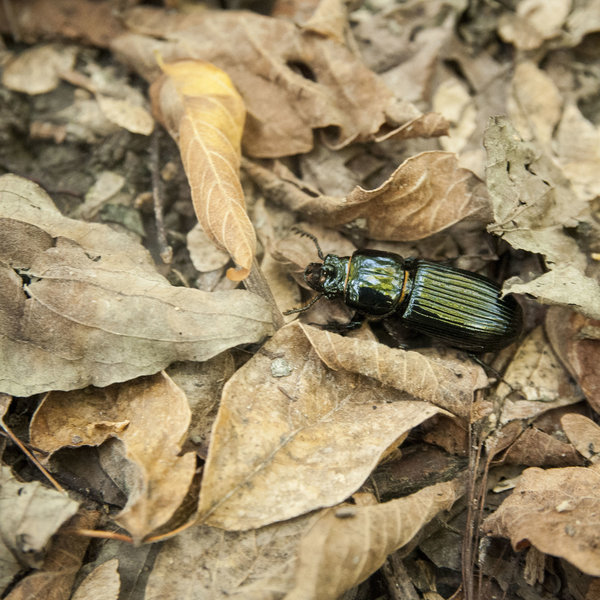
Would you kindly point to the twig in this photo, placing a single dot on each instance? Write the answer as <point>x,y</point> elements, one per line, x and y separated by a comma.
<point>31,457</point>
<point>165,251</point>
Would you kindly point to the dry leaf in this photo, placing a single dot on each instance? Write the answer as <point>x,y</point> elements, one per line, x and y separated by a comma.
<point>556,511</point>
<point>448,384</point>
<point>205,562</point>
<point>578,151</point>
<point>90,22</point>
<point>63,560</point>
<point>203,112</point>
<point>576,340</point>
<point>38,70</point>
<point>584,434</point>
<point>151,417</point>
<point>98,312</point>
<point>286,442</point>
<point>347,544</point>
<point>452,99</point>
<point>533,203</point>
<point>535,448</point>
<point>105,188</point>
<point>292,80</point>
<point>330,19</point>
<point>102,583</point>
<point>534,382</point>
<point>425,194</point>
<point>203,253</point>
<point>126,114</point>
<point>534,22</point>
<point>203,384</point>
<point>31,514</point>
<point>534,104</point>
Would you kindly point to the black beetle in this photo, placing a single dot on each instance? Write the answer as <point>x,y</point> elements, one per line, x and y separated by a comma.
<point>460,308</point>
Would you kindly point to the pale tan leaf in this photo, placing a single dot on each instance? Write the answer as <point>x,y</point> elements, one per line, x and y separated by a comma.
<point>31,514</point>
<point>347,544</point>
<point>578,151</point>
<point>534,104</point>
<point>542,383</point>
<point>206,562</point>
<point>150,416</point>
<point>555,510</point>
<point>203,383</point>
<point>534,22</point>
<point>54,579</point>
<point>202,110</point>
<point>37,70</point>
<point>98,312</point>
<point>446,383</point>
<point>204,254</point>
<point>565,285</point>
<point>286,442</point>
<point>126,114</point>
<point>102,583</point>
<point>584,434</point>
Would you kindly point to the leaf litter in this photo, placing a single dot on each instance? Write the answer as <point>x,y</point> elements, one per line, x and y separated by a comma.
<point>322,458</point>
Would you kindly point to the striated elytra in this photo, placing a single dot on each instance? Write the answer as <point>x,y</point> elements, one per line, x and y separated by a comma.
<point>463,309</point>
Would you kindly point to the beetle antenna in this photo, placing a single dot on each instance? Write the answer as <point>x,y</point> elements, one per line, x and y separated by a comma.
<point>303,233</point>
<point>305,307</point>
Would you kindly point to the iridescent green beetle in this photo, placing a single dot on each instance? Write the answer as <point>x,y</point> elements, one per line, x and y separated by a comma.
<point>463,309</point>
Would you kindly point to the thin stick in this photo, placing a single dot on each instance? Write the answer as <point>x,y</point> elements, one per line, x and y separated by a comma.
<point>31,457</point>
<point>166,252</point>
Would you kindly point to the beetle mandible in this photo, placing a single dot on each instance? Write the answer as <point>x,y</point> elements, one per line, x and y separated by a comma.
<point>462,309</point>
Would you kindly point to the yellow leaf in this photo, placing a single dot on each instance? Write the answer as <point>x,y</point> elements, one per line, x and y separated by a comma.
<point>203,112</point>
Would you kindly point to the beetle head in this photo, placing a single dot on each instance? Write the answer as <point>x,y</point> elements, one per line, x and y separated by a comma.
<point>328,277</point>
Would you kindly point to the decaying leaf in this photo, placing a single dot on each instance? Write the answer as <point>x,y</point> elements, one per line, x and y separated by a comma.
<point>584,434</point>
<point>576,340</point>
<point>288,441</point>
<point>203,253</point>
<point>534,22</point>
<point>535,448</point>
<point>94,310</point>
<point>150,416</point>
<point>535,103</point>
<point>578,151</point>
<point>535,381</point>
<point>38,70</point>
<point>292,80</point>
<point>206,562</point>
<point>126,114</point>
<point>347,544</point>
<point>202,384</point>
<point>555,510</point>
<point>55,577</point>
<point>101,584</point>
<point>31,514</point>
<point>533,203</point>
<point>203,112</point>
<point>425,194</point>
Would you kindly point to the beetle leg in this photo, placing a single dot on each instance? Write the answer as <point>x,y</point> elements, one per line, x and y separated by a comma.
<point>354,323</point>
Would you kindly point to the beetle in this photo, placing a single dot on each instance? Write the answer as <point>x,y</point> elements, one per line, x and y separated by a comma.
<point>462,309</point>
